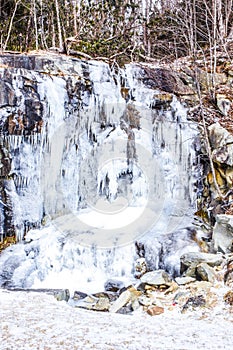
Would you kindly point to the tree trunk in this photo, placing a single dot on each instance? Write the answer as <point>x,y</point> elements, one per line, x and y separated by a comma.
<point>10,26</point>
<point>59,26</point>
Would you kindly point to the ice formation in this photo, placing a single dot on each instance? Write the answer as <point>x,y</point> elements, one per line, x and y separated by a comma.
<point>105,171</point>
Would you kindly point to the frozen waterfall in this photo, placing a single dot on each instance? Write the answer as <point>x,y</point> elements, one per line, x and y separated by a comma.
<point>108,163</point>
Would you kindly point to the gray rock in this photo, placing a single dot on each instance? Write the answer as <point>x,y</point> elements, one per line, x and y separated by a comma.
<point>222,144</point>
<point>123,299</point>
<point>79,295</point>
<point>166,80</point>
<point>125,310</point>
<point>7,94</point>
<point>63,294</point>
<point>102,304</point>
<point>205,273</point>
<point>184,280</point>
<point>91,302</point>
<point>156,278</point>
<point>195,258</point>
<point>223,233</point>
<point>112,285</point>
<point>87,303</point>
<point>191,271</point>
<point>111,296</point>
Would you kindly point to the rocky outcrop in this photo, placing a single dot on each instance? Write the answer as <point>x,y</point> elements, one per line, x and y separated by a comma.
<point>217,187</point>
<point>166,80</point>
<point>215,83</point>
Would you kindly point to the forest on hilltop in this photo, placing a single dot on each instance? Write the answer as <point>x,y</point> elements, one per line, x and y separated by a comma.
<point>121,30</point>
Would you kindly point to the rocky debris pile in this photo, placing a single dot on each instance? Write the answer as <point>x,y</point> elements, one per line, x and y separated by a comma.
<point>206,282</point>
<point>203,277</point>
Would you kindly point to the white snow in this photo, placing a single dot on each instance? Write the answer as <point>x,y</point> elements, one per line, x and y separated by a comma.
<point>38,321</point>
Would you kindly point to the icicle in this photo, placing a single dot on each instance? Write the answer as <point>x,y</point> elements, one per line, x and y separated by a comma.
<point>63,168</point>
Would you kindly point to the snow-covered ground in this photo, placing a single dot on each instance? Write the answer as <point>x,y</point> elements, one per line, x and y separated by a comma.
<point>38,321</point>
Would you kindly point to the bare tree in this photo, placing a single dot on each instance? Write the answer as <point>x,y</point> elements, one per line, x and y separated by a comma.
<point>59,28</point>
<point>11,23</point>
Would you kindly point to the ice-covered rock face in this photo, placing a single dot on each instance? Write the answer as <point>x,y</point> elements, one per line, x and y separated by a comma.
<point>105,158</point>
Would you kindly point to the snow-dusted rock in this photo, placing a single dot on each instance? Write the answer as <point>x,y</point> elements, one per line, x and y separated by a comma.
<point>156,278</point>
<point>123,299</point>
<point>192,259</point>
<point>184,280</point>
<point>112,285</point>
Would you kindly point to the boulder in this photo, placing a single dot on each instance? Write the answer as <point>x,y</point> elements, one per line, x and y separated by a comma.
<point>173,288</point>
<point>59,294</point>
<point>79,295</point>
<point>191,271</point>
<point>63,294</point>
<point>223,233</point>
<point>123,299</point>
<point>184,280</point>
<point>110,295</point>
<point>192,259</point>
<point>102,304</point>
<point>127,301</point>
<point>205,272</point>
<point>125,310</point>
<point>112,285</point>
<point>87,303</point>
<point>91,302</point>
<point>157,278</point>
